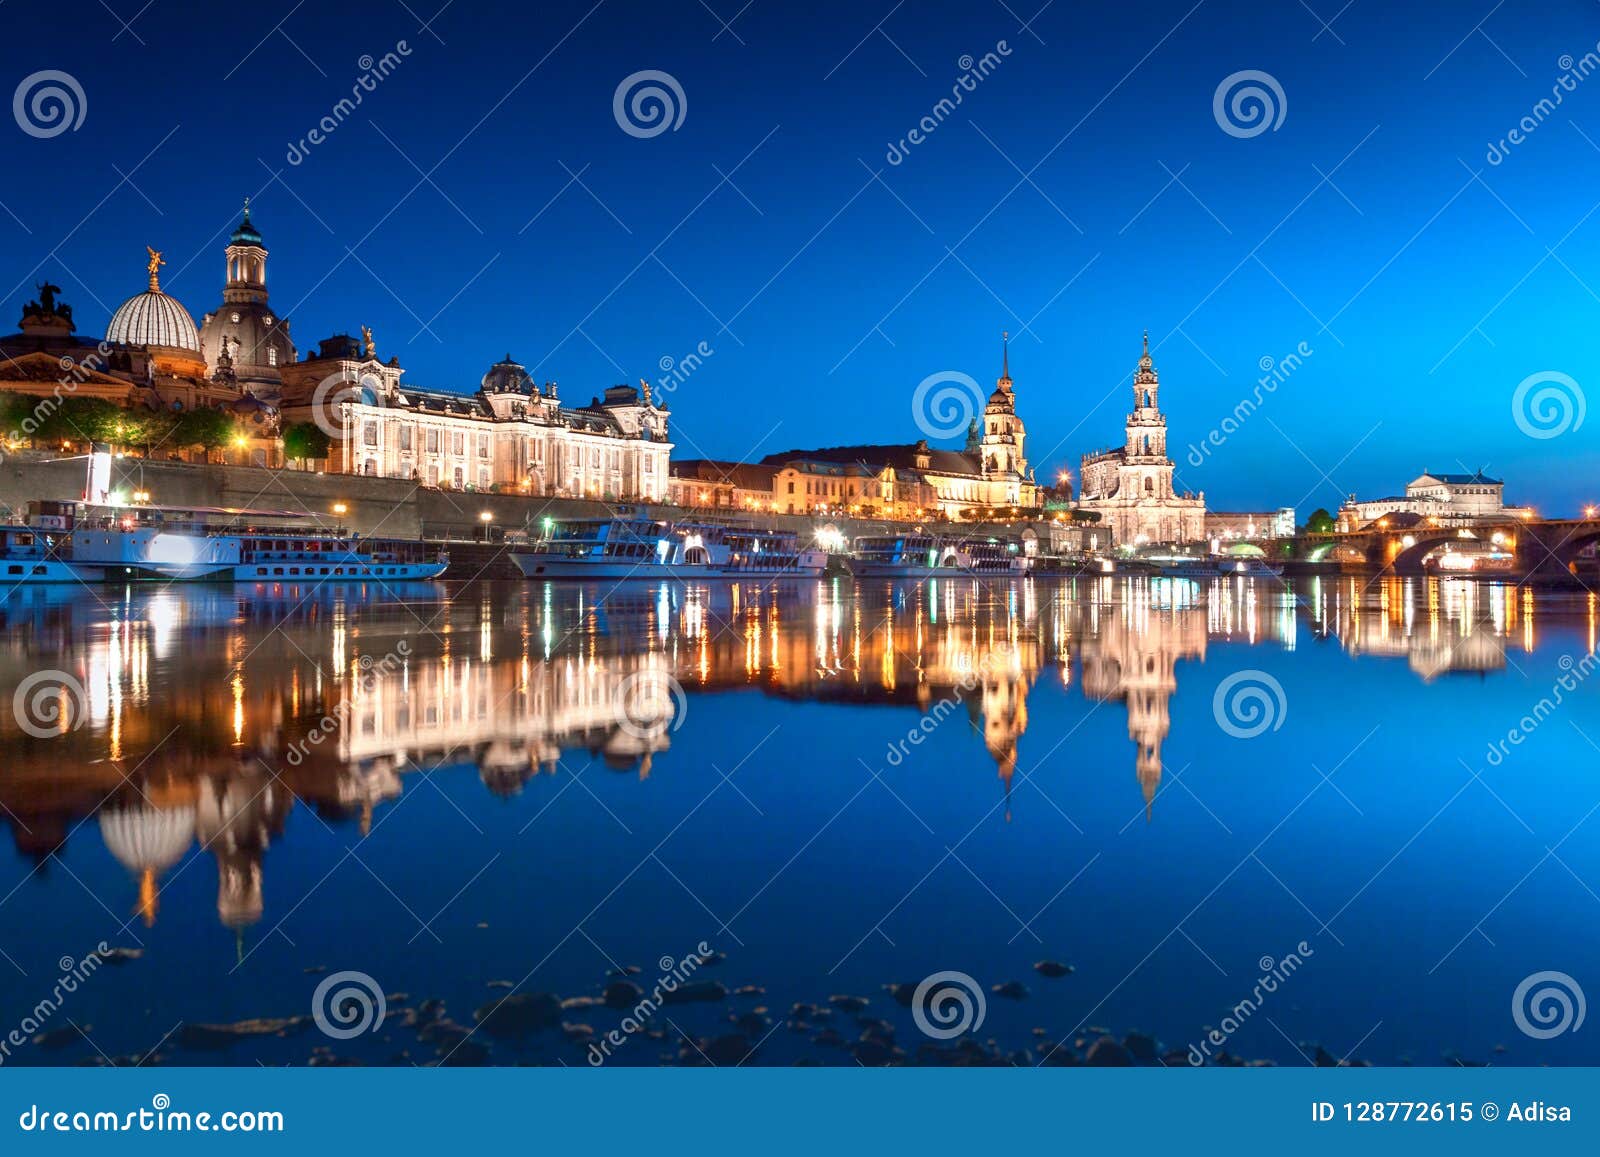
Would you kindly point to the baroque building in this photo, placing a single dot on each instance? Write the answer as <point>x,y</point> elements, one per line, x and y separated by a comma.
<point>1130,486</point>
<point>243,340</point>
<point>150,359</point>
<point>894,480</point>
<point>1440,497</point>
<point>512,435</point>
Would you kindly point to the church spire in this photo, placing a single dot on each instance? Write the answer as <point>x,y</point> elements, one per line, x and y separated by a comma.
<point>1004,381</point>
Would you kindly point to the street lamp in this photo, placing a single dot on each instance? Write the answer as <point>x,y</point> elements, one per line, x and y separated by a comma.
<point>340,509</point>
<point>485,516</point>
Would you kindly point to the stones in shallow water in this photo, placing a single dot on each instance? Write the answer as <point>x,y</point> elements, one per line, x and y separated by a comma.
<point>521,1015</point>
<point>903,992</point>
<point>750,990</point>
<point>1108,1052</point>
<point>1011,990</point>
<point>120,955</point>
<point>498,984</point>
<point>621,994</point>
<point>1141,1047</point>
<point>700,990</point>
<point>60,1038</point>
<point>1052,969</point>
<point>847,1003</point>
<point>220,1036</point>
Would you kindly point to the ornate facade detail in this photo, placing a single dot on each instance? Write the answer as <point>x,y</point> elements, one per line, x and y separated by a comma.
<point>1130,487</point>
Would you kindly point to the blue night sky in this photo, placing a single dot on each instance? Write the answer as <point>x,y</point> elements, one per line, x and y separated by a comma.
<point>444,212</point>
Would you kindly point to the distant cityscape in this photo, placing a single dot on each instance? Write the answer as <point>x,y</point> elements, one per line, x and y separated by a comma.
<point>341,408</point>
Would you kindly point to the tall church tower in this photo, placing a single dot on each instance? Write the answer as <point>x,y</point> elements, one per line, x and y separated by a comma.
<point>1003,434</point>
<point>1147,425</point>
<point>243,338</point>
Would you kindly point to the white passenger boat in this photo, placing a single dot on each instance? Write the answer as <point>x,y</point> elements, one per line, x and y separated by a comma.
<point>1189,567</point>
<point>201,544</point>
<point>625,547</point>
<point>29,555</point>
<point>1253,568</point>
<point>771,552</point>
<point>932,556</point>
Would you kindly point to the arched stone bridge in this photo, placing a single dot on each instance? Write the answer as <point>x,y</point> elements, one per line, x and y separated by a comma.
<point>1541,547</point>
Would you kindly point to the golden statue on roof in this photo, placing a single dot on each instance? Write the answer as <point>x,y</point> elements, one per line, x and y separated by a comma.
<point>367,346</point>
<point>152,267</point>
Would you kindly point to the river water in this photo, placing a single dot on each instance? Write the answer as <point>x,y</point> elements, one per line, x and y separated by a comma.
<point>1344,814</point>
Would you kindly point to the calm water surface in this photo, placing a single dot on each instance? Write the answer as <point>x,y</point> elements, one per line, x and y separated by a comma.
<point>1167,786</point>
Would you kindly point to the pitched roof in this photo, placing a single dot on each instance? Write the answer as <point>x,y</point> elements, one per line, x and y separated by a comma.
<point>744,475</point>
<point>901,456</point>
<point>1478,478</point>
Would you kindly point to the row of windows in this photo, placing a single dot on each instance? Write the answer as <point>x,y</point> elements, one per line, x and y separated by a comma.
<point>352,572</point>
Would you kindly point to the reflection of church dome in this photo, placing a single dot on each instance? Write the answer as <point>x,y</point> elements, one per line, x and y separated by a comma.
<point>147,841</point>
<point>153,318</point>
<point>507,377</point>
<point>145,837</point>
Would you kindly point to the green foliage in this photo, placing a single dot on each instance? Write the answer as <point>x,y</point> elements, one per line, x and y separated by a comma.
<point>1320,522</point>
<point>302,440</point>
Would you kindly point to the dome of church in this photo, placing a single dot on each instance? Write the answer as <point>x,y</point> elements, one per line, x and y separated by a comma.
<point>507,377</point>
<point>143,838</point>
<point>153,318</point>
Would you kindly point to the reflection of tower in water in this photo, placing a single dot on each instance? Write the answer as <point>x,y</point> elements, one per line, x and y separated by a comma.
<point>1131,653</point>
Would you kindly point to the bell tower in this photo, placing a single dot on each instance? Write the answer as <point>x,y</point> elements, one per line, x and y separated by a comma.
<point>1000,448</point>
<point>247,264</point>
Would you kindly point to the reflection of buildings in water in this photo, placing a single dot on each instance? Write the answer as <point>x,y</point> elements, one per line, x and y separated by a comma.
<point>1439,627</point>
<point>233,816</point>
<point>1131,653</point>
<point>513,683</point>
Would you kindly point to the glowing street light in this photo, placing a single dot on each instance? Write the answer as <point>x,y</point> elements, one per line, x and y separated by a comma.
<point>485,516</point>
<point>340,509</point>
